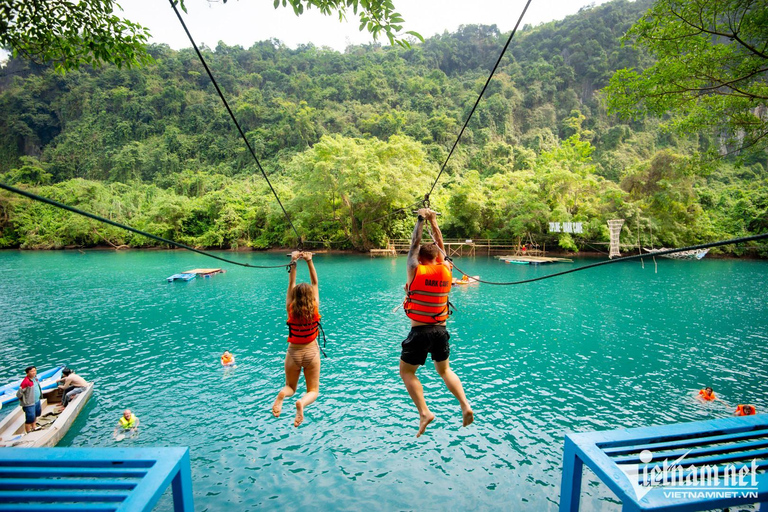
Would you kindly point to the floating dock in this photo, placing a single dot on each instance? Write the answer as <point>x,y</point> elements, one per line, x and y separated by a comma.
<point>181,277</point>
<point>205,272</point>
<point>533,260</point>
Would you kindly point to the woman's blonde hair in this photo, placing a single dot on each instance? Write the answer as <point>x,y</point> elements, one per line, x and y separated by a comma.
<point>303,302</point>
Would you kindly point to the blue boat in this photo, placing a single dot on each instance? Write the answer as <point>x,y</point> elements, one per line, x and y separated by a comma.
<point>48,379</point>
<point>181,277</point>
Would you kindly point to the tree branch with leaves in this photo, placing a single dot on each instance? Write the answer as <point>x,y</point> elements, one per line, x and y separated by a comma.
<point>711,71</point>
<point>74,33</point>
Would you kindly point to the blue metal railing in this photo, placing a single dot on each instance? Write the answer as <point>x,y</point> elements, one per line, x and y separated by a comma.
<point>702,465</point>
<point>93,479</point>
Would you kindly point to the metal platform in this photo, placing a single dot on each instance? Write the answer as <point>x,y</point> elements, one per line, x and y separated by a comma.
<point>93,479</point>
<point>681,467</point>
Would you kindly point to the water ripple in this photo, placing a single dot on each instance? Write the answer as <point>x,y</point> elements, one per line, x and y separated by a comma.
<point>620,347</point>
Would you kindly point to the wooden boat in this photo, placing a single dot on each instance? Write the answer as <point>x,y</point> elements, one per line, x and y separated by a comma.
<point>53,425</point>
<point>181,277</point>
<point>48,379</point>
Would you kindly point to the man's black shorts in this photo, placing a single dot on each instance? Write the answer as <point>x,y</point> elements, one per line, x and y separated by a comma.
<point>423,340</point>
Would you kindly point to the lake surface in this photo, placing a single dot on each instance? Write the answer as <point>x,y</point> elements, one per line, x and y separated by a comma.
<point>616,346</point>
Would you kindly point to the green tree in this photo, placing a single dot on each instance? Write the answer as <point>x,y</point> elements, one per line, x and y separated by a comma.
<point>73,33</point>
<point>351,183</point>
<point>70,34</point>
<point>711,70</point>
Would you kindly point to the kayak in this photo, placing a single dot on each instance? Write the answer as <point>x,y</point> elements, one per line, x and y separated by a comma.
<point>48,379</point>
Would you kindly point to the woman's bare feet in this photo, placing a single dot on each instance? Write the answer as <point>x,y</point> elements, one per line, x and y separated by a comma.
<point>467,416</point>
<point>277,407</point>
<point>424,421</point>
<point>299,414</point>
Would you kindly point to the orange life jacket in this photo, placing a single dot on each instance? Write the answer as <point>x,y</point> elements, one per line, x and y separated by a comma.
<point>426,299</point>
<point>302,332</point>
<point>705,396</point>
<point>227,359</point>
<point>740,410</point>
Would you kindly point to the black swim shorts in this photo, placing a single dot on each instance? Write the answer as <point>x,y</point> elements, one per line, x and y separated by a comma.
<point>423,340</point>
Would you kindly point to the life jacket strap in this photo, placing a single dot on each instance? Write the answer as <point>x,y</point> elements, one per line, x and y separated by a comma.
<point>429,304</point>
<point>302,330</point>
<point>446,311</point>
<point>428,294</point>
<point>318,343</point>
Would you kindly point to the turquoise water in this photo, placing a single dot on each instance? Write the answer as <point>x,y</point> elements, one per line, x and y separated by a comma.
<point>616,346</point>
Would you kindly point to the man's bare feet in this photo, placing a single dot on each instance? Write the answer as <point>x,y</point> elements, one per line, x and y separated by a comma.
<point>468,417</point>
<point>424,421</point>
<point>277,407</point>
<point>299,414</point>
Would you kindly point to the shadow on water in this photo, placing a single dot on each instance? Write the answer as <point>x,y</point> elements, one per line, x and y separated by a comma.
<point>617,346</point>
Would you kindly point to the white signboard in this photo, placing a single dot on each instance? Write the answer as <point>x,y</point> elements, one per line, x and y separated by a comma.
<point>566,227</point>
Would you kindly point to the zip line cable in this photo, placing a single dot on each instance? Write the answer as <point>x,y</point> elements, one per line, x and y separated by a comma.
<point>57,204</point>
<point>234,119</point>
<point>608,262</point>
<point>72,209</point>
<point>474,107</point>
<point>425,201</point>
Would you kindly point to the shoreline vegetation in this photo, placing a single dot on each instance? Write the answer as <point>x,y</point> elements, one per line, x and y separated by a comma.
<point>287,250</point>
<point>349,138</point>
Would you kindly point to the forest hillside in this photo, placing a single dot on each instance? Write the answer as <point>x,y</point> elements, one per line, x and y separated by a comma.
<point>346,138</point>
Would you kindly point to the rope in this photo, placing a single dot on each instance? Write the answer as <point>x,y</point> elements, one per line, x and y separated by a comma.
<point>425,202</point>
<point>318,342</point>
<point>72,209</point>
<point>234,119</point>
<point>466,123</point>
<point>608,262</point>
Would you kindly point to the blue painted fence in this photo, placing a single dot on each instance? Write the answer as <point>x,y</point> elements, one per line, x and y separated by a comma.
<point>93,479</point>
<point>628,460</point>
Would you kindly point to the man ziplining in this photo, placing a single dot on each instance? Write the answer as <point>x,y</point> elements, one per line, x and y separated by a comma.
<point>426,304</point>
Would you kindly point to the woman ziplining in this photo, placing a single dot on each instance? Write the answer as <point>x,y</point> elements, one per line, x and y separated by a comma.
<point>302,303</point>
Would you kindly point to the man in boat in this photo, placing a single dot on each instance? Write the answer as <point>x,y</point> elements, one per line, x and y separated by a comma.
<point>72,385</point>
<point>427,306</point>
<point>29,394</point>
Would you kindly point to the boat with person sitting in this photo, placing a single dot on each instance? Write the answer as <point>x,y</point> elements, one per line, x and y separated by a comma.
<point>682,255</point>
<point>48,379</point>
<point>52,425</point>
<point>465,280</point>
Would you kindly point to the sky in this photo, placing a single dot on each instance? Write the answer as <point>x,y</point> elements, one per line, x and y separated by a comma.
<point>243,22</point>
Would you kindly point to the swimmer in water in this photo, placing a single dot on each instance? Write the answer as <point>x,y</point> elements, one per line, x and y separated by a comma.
<point>745,410</point>
<point>227,359</point>
<point>127,424</point>
<point>707,394</point>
